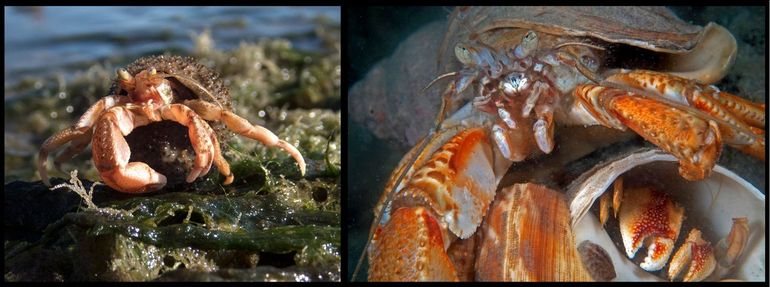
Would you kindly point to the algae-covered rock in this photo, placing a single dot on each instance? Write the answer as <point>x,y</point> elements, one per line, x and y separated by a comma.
<point>141,238</point>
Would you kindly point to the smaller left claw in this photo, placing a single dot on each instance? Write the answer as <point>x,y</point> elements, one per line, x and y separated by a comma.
<point>696,254</point>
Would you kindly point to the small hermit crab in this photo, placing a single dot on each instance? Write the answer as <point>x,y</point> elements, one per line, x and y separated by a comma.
<point>155,104</point>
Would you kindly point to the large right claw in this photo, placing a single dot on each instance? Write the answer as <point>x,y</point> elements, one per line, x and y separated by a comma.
<point>444,199</point>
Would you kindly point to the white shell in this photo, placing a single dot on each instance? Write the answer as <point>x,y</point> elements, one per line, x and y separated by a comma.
<point>708,206</point>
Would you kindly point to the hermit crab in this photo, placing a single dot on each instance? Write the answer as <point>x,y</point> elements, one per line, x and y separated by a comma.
<point>514,74</point>
<point>168,99</point>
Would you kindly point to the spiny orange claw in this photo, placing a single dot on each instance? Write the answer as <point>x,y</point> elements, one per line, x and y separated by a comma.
<point>726,106</point>
<point>410,247</point>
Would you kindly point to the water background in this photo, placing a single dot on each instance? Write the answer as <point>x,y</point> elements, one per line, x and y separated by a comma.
<point>43,40</point>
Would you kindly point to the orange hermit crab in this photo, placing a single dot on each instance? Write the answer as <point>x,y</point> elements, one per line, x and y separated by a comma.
<point>162,92</point>
<point>516,73</point>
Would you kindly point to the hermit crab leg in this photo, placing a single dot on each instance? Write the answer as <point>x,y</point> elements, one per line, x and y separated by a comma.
<point>111,153</point>
<point>76,132</point>
<point>730,248</point>
<point>219,161</point>
<point>748,117</point>
<point>695,141</point>
<point>543,128</point>
<point>78,144</point>
<point>55,141</point>
<point>242,126</point>
<point>200,136</point>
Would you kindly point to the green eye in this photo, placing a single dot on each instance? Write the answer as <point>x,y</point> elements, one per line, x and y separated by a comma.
<point>530,36</point>
<point>528,43</point>
<point>463,54</point>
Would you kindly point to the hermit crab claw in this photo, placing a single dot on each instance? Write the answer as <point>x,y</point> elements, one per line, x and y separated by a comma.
<point>651,218</point>
<point>695,254</point>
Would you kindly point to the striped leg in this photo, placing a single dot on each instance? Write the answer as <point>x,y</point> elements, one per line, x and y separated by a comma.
<point>743,122</point>
<point>242,127</point>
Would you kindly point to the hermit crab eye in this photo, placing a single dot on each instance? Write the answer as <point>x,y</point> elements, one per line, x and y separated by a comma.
<point>530,40</point>
<point>530,36</point>
<point>152,71</point>
<point>527,45</point>
<point>123,74</point>
<point>463,54</point>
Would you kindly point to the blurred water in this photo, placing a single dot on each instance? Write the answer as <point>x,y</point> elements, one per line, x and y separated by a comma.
<point>39,40</point>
